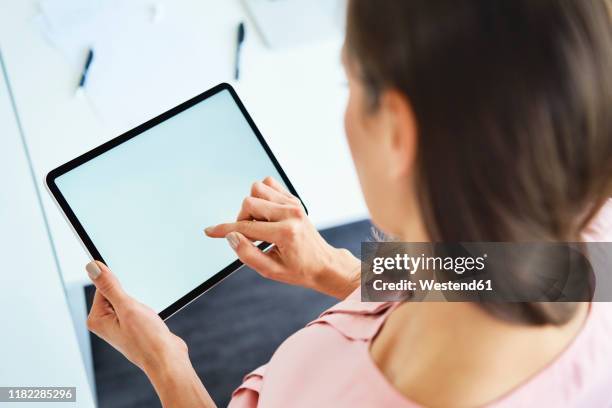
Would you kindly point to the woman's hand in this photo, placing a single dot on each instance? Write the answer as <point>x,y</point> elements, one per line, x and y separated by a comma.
<point>138,333</point>
<point>300,256</point>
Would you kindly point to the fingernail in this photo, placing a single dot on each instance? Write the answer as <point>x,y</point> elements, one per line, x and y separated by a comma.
<point>93,270</point>
<point>208,230</point>
<point>233,240</point>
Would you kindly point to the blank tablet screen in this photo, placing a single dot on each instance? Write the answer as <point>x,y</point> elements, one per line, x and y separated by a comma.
<point>145,203</point>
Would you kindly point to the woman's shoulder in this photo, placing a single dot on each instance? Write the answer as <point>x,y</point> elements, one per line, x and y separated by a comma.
<point>324,360</point>
<point>580,376</point>
<point>354,319</point>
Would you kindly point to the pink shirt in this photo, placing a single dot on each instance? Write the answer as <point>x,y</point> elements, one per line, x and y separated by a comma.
<point>328,362</point>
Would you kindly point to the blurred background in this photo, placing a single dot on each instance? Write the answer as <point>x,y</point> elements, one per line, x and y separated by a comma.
<point>146,57</point>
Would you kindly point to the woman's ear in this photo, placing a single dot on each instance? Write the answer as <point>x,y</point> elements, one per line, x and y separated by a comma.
<point>403,142</point>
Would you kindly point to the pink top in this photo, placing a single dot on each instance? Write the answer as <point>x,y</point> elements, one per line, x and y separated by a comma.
<point>329,361</point>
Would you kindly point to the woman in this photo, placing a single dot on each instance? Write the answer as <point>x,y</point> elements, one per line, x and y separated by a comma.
<point>481,120</point>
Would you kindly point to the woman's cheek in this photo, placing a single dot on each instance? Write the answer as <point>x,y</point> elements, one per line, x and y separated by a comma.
<point>349,127</point>
<point>352,125</point>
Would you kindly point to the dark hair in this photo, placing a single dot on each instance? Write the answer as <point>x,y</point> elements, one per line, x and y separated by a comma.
<point>513,103</point>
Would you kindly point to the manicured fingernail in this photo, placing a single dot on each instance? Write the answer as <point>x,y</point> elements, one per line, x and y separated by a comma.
<point>233,240</point>
<point>93,270</point>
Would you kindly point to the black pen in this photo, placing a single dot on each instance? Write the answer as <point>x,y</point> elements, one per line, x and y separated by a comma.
<point>239,41</point>
<point>90,55</point>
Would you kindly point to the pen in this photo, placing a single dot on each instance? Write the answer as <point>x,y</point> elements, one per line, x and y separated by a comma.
<point>88,61</point>
<point>239,41</point>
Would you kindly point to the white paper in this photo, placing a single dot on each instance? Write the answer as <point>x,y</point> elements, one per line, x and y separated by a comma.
<point>289,23</point>
<point>141,67</point>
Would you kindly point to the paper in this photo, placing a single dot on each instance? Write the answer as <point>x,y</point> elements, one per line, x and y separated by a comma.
<point>288,23</point>
<point>141,67</point>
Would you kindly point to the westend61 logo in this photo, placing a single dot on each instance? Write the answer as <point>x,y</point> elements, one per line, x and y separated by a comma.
<point>413,264</point>
<point>486,271</point>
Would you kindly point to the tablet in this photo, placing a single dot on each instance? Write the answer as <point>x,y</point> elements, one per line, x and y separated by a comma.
<point>140,202</point>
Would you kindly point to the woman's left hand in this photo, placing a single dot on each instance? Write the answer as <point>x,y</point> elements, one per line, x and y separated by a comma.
<point>132,328</point>
<point>138,333</point>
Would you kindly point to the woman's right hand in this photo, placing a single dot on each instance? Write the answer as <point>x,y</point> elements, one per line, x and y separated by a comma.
<point>300,256</point>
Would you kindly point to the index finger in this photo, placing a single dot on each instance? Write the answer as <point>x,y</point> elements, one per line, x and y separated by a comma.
<point>253,230</point>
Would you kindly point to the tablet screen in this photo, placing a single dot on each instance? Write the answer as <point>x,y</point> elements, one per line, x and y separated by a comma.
<point>145,203</point>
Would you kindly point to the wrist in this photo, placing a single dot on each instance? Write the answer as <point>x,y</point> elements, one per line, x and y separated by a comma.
<point>340,275</point>
<point>168,358</point>
<point>167,372</point>
<point>168,375</point>
<point>177,383</point>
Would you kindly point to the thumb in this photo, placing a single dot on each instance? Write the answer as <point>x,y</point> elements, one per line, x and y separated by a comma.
<point>106,283</point>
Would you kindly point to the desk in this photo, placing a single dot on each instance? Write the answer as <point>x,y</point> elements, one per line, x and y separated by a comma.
<point>295,96</point>
<point>38,346</point>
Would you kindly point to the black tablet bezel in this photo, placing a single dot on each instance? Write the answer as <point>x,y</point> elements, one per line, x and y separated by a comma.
<point>84,158</point>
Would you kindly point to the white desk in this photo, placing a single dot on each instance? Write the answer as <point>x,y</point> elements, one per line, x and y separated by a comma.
<point>37,345</point>
<point>295,96</point>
